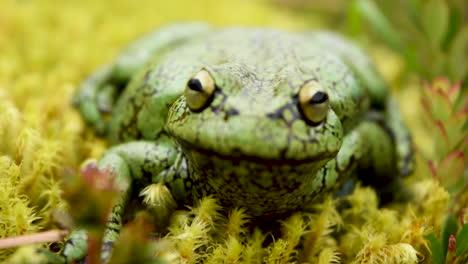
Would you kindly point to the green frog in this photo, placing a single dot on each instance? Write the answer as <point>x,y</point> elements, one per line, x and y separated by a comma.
<point>259,118</point>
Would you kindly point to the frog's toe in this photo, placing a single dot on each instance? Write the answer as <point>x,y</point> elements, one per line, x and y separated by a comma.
<point>76,246</point>
<point>93,95</point>
<point>406,159</point>
<point>93,118</point>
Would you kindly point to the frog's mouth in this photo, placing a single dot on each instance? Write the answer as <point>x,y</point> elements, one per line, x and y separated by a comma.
<point>236,156</point>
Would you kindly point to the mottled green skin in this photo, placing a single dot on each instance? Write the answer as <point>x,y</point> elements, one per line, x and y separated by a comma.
<point>251,146</point>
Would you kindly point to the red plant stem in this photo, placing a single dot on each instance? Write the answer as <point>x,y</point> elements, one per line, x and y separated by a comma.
<point>94,248</point>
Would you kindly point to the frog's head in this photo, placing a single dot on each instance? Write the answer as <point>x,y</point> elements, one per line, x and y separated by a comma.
<point>231,119</point>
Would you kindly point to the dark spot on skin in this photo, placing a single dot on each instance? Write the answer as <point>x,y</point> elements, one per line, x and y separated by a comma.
<point>113,229</point>
<point>278,114</point>
<point>114,220</point>
<point>274,115</point>
<point>183,115</point>
<point>284,150</point>
<point>233,112</point>
<point>217,108</point>
<point>229,113</point>
<point>325,170</point>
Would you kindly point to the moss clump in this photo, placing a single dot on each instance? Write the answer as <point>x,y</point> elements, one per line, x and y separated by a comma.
<point>16,216</point>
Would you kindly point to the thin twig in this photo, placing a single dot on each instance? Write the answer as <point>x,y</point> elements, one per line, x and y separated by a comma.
<point>42,237</point>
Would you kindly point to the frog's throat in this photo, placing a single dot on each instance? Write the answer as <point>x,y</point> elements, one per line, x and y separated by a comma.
<point>263,187</point>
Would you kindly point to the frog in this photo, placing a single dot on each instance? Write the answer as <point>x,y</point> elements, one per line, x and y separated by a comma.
<point>260,118</point>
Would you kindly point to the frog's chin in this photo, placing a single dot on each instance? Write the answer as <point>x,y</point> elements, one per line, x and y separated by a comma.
<point>262,186</point>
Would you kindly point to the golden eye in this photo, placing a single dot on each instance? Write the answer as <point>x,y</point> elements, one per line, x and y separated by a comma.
<point>313,102</point>
<point>199,91</point>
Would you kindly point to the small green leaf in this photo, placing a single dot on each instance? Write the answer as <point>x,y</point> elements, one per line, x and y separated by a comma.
<point>438,256</point>
<point>436,20</point>
<point>462,241</point>
<point>459,54</point>
<point>450,172</point>
<point>354,18</point>
<point>453,27</point>
<point>413,9</point>
<point>369,10</point>
<point>449,228</point>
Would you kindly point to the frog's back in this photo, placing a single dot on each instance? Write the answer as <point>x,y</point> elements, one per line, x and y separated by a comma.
<point>263,60</point>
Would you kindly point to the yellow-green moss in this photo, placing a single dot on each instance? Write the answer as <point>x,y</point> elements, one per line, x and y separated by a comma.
<point>49,46</point>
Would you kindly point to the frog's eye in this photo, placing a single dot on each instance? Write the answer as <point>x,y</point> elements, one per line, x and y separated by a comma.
<point>313,102</point>
<point>199,91</point>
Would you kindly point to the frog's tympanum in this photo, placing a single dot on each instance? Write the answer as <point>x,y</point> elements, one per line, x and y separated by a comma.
<point>259,118</point>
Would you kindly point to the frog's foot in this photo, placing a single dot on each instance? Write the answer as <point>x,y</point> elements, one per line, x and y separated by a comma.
<point>392,123</point>
<point>404,149</point>
<point>370,148</point>
<point>75,249</point>
<point>76,246</point>
<point>128,162</point>
<point>95,98</point>
<point>383,168</point>
<point>113,163</point>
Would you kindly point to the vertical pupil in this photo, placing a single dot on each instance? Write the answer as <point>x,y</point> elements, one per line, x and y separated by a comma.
<point>195,84</point>
<point>319,97</point>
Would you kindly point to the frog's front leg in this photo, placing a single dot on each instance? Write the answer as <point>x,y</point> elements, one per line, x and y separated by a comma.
<point>371,150</point>
<point>132,162</point>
